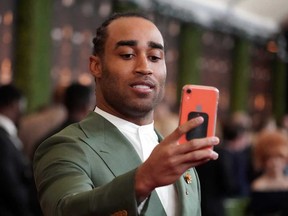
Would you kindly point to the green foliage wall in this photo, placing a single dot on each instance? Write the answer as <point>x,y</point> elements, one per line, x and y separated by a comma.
<point>32,50</point>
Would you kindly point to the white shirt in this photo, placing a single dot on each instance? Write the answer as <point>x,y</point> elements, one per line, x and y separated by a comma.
<point>11,129</point>
<point>144,139</point>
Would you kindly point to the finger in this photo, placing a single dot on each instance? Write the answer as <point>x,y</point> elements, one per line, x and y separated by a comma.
<point>195,157</point>
<point>195,160</point>
<point>187,126</point>
<point>196,144</point>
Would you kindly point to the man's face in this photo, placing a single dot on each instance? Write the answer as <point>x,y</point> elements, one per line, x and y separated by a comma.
<point>132,71</point>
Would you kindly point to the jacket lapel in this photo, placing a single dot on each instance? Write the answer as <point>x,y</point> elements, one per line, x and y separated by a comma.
<point>188,193</point>
<point>110,144</point>
<point>153,206</point>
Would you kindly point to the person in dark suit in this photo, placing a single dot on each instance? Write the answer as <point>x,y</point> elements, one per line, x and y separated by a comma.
<point>17,196</point>
<point>114,162</point>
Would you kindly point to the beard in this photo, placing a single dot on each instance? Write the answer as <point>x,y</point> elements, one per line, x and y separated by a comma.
<point>121,99</point>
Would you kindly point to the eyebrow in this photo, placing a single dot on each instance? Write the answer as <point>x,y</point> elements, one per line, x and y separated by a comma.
<point>155,45</point>
<point>125,43</point>
<point>151,44</point>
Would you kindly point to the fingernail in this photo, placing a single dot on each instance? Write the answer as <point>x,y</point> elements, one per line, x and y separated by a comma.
<point>214,155</point>
<point>215,140</point>
<point>200,119</point>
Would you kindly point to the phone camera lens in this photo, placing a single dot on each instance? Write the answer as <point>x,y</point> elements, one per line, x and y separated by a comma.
<point>189,91</point>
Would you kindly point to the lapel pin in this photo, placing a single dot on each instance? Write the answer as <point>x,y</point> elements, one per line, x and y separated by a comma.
<point>188,178</point>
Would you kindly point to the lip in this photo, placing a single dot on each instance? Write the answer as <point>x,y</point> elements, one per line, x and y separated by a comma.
<point>143,86</point>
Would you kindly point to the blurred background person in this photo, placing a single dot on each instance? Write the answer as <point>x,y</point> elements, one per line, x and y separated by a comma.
<point>165,119</point>
<point>270,190</point>
<point>77,101</point>
<point>235,150</point>
<point>214,180</point>
<point>18,194</point>
<point>167,112</point>
<point>36,125</point>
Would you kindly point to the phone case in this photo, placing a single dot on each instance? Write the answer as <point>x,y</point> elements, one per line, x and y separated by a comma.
<point>199,100</point>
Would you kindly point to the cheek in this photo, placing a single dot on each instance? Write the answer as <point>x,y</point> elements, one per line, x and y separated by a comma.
<point>119,72</point>
<point>113,69</point>
<point>161,73</point>
<point>276,163</point>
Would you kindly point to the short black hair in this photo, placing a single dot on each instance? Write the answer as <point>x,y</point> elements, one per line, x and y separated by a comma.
<point>77,96</point>
<point>101,32</point>
<point>9,94</point>
<point>232,131</point>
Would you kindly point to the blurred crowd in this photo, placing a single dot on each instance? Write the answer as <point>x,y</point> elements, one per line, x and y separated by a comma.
<point>250,172</point>
<point>20,135</point>
<point>250,175</point>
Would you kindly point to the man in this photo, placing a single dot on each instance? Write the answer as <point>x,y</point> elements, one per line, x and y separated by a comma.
<point>113,162</point>
<point>18,195</point>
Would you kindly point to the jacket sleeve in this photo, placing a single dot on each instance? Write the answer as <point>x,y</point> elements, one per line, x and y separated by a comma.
<point>62,172</point>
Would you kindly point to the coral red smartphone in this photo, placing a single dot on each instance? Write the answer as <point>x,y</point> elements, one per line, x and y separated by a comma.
<point>199,100</point>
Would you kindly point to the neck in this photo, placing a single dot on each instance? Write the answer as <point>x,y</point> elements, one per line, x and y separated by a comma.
<point>136,119</point>
<point>274,174</point>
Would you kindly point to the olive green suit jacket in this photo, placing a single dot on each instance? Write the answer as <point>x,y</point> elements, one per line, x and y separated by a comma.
<point>88,169</point>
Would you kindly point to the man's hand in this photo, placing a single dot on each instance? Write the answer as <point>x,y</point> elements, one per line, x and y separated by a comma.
<point>169,159</point>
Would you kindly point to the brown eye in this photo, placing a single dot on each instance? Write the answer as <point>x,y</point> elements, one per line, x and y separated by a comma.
<point>127,56</point>
<point>154,58</point>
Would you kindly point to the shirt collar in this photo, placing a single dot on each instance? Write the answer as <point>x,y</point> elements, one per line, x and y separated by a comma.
<point>121,123</point>
<point>8,125</point>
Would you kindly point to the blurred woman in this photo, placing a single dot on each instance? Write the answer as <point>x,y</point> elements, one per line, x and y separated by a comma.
<point>270,190</point>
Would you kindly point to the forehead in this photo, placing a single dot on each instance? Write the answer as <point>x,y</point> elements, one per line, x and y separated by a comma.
<point>133,28</point>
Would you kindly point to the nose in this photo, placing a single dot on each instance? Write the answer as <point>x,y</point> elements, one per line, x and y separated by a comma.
<point>143,65</point>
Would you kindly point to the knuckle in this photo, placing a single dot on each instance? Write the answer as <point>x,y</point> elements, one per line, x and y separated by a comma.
<point>194,142</point>
<point>181,130</point>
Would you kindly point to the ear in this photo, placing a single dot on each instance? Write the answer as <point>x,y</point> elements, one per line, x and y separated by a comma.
<point>95,66</point>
